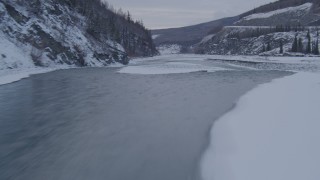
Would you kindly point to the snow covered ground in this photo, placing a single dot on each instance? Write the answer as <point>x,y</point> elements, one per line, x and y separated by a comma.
<point>16,63</point>
<point>184,63</point>
<point>167,49</point>
<point>13,75</point>
<point>272,133</point>
<point>268,59</point>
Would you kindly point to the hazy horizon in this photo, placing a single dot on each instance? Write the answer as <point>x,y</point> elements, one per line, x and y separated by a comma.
<point>179,13</point>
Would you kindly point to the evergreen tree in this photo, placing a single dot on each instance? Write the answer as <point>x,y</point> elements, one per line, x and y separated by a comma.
<point>314,47</point>
<point>264,48</point>
<point>308,50</point>
<point>128,16</point>
<point>295,45</point>
<point>281,47</point>
<point>269,47</point>
<point>300,45</point>
<point>316,51</point>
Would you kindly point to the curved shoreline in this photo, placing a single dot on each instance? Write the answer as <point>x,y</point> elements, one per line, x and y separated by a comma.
<point>13,75</point>
<point>242,145</point>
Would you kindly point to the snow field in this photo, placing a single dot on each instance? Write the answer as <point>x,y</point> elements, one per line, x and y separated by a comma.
<point>272,133</point>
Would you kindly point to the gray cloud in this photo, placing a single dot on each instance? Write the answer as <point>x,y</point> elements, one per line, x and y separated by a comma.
<point>176,13</point>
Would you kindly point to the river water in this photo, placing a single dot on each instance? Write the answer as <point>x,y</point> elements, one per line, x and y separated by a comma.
<point>98,124</point>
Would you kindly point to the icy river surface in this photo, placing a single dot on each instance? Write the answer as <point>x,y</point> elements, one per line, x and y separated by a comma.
<point>100,124</point>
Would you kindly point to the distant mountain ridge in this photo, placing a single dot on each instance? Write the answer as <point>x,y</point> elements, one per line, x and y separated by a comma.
<point>267,19</point>
<point>190,34</point>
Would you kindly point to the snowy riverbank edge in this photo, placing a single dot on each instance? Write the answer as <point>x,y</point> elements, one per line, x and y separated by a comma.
<point>272,133</point>
<point>8,76</point>
<point>14,75</point>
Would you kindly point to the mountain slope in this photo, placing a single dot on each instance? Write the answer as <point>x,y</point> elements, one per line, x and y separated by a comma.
<point>252,40</point>
<point>68,32</point>
<point>304,14</point>
<point>191,34</point>
<point>239,35</point>
<point>267,29</point>
<point>281,4</point>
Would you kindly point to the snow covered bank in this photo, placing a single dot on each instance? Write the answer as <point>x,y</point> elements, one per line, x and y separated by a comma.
<point>267,59</point>
<point>273,133</point>
<point>12,56</point>
<point>168,68</point>
<point>14,75</point>
<point>192,62</point>
<point>16,63</point>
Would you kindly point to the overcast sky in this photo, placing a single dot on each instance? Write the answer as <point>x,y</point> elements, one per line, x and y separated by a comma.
<point>176,13</point>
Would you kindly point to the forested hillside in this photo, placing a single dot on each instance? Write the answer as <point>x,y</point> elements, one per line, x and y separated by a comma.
<point>286,27</point>
<point>71,32</point>
<point>117,25</point>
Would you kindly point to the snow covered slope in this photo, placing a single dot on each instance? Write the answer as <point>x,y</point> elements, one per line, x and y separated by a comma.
<point>53,36</point>
<point>296,15</point>
<point>263,32</point>
<point>253,40</point>
<point>298,11</point>
<point>49,33</point>
<point>190,34</point>
<point>273,133</point>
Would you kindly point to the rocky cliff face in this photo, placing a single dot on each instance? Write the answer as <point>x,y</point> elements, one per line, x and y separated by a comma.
<point>68,32</point>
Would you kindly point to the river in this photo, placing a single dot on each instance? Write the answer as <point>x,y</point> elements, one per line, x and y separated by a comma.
<point>96,123</point>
